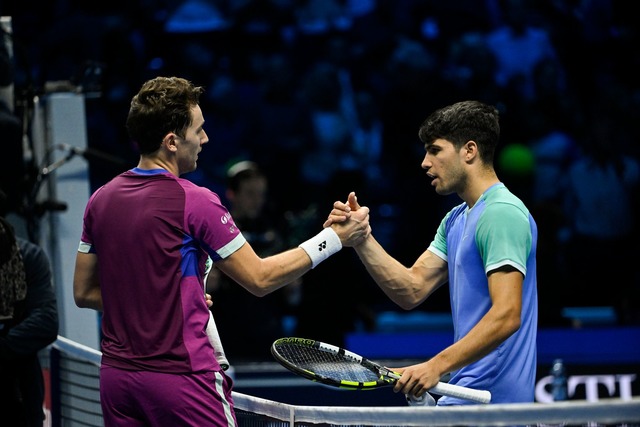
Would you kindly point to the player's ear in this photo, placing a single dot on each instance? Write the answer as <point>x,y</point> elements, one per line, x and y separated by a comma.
<point>470,150</point>
<point>169,141</point>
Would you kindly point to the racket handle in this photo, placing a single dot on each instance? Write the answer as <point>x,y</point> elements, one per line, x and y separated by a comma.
<point>214,340</point>
<point>446,389</point>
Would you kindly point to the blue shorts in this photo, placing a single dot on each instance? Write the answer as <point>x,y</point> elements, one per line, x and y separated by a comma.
<point>154,399</point>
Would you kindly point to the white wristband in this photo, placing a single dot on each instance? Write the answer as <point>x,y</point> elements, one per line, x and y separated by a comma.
<point>321,246</point>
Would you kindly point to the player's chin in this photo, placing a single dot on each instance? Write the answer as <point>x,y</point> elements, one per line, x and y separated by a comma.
<point>442,190</point>
<point>185,170</point>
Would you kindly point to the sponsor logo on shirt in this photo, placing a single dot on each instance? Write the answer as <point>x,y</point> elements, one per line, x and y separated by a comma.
<point>225,218</point>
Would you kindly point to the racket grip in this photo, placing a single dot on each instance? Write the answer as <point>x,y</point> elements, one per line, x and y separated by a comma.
<point>216,343</point>
<point>446,389</point>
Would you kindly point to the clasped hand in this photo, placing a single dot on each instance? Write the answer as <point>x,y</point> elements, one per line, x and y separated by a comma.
<point>350,221</point>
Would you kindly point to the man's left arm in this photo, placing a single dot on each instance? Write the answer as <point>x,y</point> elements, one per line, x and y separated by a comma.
<point>499,323</point>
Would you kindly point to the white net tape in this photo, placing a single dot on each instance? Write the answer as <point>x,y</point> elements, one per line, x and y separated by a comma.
<point>604,412</point>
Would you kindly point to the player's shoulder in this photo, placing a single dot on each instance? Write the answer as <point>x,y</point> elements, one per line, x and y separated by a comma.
<point>500,197</point>
<point>503,208</point>
<point>196,190</point>
<point>198,197</point>
<point>113,184</point>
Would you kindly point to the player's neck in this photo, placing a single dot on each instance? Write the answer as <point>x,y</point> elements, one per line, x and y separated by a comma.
<point>152,162</point>
<point>477,186</point>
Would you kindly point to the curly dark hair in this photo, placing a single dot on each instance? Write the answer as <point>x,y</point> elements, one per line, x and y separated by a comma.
<point>462,122</point>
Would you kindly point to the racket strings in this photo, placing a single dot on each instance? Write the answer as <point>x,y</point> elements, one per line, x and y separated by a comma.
<point>326,363</point>
<point>338,367</point>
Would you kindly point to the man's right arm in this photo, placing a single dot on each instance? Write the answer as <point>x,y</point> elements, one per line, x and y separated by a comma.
<point>261,276</point>
<point>407,287</point>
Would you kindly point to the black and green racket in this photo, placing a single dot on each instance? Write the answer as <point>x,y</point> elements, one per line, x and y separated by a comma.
<point>337,367</point>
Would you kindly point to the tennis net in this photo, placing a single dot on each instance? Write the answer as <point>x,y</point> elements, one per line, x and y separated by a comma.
<point>75,401</point>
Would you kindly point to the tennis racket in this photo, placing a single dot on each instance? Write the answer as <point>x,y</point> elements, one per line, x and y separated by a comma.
<point>212,330</point>
<point>337,367</point>
<point>214,340</point>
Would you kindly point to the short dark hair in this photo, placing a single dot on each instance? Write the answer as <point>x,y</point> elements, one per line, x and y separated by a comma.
<point>462,122</point>
<point>162,105</point>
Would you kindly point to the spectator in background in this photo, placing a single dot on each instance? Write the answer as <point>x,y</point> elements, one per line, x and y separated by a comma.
<point>283,125</point>
<point>414,86</point>
<point>367,142</point>
<point>321,16</point>
<point>28,324</point>
<point>602,201</point>
<point>549,125</point>
<point>332,126</point>
<point>231,117</point>
<point>263,318</point>
<point>519,44</point>
<point>470,68</point>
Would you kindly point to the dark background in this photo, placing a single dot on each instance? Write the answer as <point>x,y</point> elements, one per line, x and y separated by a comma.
<point>564,75</point>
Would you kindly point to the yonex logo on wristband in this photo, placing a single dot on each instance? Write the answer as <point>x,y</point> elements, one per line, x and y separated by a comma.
<point>322,246</point>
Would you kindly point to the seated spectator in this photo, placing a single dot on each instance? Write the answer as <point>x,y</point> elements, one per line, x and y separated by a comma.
<point>28,324</point>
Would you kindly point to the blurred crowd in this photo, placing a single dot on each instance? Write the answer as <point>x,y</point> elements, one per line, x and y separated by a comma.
<point>327,96</point>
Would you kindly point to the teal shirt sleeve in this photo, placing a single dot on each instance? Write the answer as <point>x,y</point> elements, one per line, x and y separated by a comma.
<point>503,236</point>
<point>439,244</point>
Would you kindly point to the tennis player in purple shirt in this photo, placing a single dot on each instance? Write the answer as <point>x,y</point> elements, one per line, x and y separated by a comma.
<point>146,237</point>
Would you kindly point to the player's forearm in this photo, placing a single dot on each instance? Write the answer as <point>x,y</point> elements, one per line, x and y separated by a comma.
<point>485,337</point>
<point>86,283</point>
<point>89,298</point>
<point>281,269</point>
<point>261,276</point>
<point>395,280</point>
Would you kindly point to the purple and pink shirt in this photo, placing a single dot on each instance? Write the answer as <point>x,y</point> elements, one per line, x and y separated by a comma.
<point>152,233</point>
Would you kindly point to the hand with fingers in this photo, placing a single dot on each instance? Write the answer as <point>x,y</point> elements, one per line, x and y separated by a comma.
<point>342,211</point>
<point>350,214</point>
<point>416,380</point>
